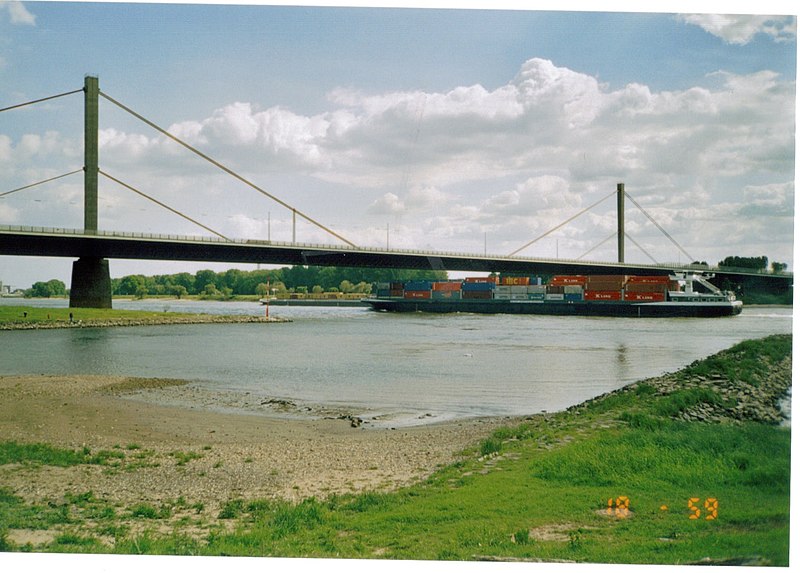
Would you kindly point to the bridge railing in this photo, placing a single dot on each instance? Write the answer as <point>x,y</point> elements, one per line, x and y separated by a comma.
<point>428,253</point>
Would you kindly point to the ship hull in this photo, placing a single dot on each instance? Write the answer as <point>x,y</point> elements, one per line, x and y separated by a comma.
<point>562,308</point>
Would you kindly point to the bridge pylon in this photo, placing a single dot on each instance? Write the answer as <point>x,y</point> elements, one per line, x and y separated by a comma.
<point>91,280</point>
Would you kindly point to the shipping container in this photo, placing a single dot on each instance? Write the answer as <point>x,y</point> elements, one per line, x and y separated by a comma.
<point>396,285</point>
<point>573,289</point>
<point>478,286</point>
<point>524,281</point>
<point>519,289</point>
<point>536,296</point>
<point>447,286</point>
<point>492,280</point>
<point>502,296</point>
<point>602,295</point>
<point>446,294</point>
<point>555,289</point>
<point>502,289</point>
<point>418,285</point>
<point>573,296</point>
<point>519,296</point>
<point>476,294</point>
<point>383,286</point>
<point>417,294</point>
<point>560,280</point>
<point>645,296</point>
<point>537,289</point>
<point>645,287</point>
<point>397,293</point>
<point>554,296</point>
<point>658,280</point>
<point>383,292</point>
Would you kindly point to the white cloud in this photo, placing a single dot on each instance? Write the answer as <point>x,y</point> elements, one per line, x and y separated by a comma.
<point>18,13</point>
<point>741,29</point>
<point>469,162</point>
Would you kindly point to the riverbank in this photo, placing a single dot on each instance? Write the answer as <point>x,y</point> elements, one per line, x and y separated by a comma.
<point>605,481</point>
<point>38,318</point>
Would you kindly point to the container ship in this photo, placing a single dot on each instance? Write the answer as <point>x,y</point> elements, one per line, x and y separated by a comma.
<point>676,295</point>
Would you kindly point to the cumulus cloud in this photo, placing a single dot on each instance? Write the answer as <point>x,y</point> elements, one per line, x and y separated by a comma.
<point>470,162</point>
<point>741,29</point>
<point>18,13</point>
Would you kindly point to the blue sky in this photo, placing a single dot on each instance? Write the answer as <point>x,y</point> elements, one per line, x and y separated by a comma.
<point>451,127</point>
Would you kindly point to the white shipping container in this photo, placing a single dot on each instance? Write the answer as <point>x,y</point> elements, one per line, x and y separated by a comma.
<point>537,289</point>
<point>573,289</point>
<point>519,289</point>
<point>554,297</point>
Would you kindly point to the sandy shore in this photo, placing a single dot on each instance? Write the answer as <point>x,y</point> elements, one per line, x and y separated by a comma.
<point>230,455</point>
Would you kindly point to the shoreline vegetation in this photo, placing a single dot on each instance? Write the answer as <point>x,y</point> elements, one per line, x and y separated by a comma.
<point>690,467</point>
<point>33,318</point>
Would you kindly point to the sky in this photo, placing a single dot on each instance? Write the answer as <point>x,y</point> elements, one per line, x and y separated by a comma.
<point>438,128</point>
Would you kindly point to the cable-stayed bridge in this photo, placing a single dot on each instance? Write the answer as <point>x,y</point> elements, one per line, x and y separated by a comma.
<point>93,247</point>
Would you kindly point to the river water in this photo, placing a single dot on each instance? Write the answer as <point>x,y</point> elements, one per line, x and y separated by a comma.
<point>411,368</point>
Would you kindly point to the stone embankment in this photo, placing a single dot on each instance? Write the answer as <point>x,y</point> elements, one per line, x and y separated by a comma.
<point>116,322</point>
<point>763,395</point>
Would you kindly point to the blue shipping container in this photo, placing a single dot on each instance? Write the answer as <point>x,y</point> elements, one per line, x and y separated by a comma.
<point>418,285</point>
<point>477,286</point>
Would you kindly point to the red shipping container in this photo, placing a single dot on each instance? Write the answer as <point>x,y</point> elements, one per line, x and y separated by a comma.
<point>447,286</point>
<point>656,280</point>
<point>645,287</point>
<point>417,294</point>
<point>477,294</point>
<point>481,280</point>
<point>602,295</point>
<point>398,293</point>
<point>645,296</point>
<point>562,280</point>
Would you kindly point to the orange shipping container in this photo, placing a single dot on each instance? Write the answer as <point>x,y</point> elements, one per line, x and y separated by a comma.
<point>515,281</point>
<point>602,295</point>
<point>481,280</point>
<point>447,286</point>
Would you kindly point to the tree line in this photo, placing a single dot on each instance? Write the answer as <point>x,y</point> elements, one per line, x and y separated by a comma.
<point>262,282</point>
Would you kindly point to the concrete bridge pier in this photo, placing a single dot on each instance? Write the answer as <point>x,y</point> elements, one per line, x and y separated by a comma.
<point>91,283</point>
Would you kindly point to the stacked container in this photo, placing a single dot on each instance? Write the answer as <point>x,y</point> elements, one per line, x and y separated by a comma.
<point>446,290</point>
<point>478,289</point>
<point>604,287</point>
<point>646,289</point>
<point>418,289</point>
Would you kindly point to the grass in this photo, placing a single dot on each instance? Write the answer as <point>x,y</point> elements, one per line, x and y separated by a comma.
<point>29,314</point>
<point>617,480</point>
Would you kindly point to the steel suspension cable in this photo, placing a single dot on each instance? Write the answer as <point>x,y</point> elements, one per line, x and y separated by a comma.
<point>601,243</point>
<point>225,169</point>
<point>160,204</point>
<point>41,182</point>
<point>660,228</point>
<point>641,248</point>
<point>39,100</point>
<point>592,206</point>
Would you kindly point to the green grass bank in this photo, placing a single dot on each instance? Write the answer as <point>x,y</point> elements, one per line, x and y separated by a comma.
<point>686,468</point>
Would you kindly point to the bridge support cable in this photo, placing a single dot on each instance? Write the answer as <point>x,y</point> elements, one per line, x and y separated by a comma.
<point>641,248</point>
<point>41,182</point>
<point>160,204</point>
<point>226,169</point>
<point>600,244</point>
<point>592,206</point>
<point>660,228</point>
<point>2,109</point>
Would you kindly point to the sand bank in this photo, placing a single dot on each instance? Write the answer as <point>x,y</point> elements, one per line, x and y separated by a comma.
<point>206,455</point>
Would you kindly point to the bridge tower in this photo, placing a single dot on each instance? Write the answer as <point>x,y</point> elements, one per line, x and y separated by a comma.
<point>91,280</point>
<point>620,222</point>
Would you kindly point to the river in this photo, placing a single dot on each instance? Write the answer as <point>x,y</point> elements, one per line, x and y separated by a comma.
<point>411,369</point>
